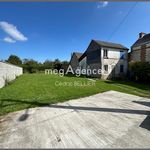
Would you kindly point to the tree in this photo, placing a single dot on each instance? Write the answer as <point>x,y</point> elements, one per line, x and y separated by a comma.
<point>13,59</point>
<point>33,66</point>
<point>57,64</point>
<point>48,64</point>
<point>40,66</point>
<point>65,65</point>
<point>30,65</point>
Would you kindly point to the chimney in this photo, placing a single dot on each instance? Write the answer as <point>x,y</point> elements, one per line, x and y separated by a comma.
<point>141,35</point>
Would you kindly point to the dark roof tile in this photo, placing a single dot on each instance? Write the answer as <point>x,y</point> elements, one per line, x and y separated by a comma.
<point>110,44</point>
<point>144,39</point>
<point>78,54</point>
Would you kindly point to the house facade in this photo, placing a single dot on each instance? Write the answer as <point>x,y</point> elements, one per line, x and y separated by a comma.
<point>110,58</point>
<point>140,50</point>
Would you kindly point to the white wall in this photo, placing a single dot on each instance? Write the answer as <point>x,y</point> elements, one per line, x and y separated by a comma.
<point>8,73</point>
<point>114,53</point>
<point>114,60</point>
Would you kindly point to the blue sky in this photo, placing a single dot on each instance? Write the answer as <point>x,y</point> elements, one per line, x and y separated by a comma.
<point>53,30</point>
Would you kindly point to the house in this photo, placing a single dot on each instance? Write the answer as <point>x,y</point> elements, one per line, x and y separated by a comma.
<point>140,50</point>
<point>8,72</point>
<point>111,58</point>
<point>74,62</point>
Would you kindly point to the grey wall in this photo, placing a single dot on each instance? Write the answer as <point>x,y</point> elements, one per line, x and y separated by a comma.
<point>74,62</point>
<point>94,58</point>
<point>8,73</point>
<point>83,63</point>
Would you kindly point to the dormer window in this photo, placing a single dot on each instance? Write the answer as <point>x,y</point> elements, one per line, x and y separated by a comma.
<point>105,54</point>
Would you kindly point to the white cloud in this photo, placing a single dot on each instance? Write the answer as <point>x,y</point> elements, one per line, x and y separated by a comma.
<point>102,4</point>
<point>12,31</point>
<point>9,40</point>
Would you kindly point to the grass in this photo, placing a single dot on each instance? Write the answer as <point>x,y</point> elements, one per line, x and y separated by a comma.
<point>32,90</point>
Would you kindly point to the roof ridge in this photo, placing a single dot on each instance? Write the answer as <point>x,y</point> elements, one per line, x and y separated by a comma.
<point>107,42</point>
<point>76,52</point>
<point>144,39</point>
<point>110,44</point>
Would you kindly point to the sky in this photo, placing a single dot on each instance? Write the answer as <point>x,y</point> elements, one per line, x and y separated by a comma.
<point>50,30</point>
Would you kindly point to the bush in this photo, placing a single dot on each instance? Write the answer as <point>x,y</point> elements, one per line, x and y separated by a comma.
<point>140,70</point>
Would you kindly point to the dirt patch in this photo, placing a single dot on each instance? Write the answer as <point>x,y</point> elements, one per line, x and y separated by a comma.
<point>4,123</point>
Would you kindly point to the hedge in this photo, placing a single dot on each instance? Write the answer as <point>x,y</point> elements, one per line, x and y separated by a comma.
<point>140,70</point>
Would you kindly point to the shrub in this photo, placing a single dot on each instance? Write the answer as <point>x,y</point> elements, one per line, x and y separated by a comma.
<point>140,70</point>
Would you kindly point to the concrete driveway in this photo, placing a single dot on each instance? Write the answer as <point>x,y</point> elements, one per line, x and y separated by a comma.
<point>106,120</point>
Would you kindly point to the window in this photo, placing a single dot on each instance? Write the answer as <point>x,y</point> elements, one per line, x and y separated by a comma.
<point>105,53</point>
<point>122,54</point>
<point>106,68</point>
<point>121,68</point>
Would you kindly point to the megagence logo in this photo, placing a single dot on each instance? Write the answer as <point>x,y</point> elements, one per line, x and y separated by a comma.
<point>77,72</point>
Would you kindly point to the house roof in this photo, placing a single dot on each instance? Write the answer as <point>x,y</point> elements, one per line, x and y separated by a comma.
<point>110,44</point>
<point>144,39</point>
<point>78,54</point>
<point>104,44</point>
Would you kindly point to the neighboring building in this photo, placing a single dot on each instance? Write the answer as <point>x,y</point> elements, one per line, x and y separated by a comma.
<point>8,72</point>
<point>109,57</point>
<point>140,50</point>
<point>74,62</point>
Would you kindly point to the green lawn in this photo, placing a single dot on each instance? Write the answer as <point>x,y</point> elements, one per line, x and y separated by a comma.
<point>32,90</point>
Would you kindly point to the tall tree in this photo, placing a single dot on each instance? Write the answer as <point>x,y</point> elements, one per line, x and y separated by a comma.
<point>13,59</point>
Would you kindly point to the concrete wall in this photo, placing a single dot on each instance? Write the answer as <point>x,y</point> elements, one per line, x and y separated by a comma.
<point>8,72</point>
